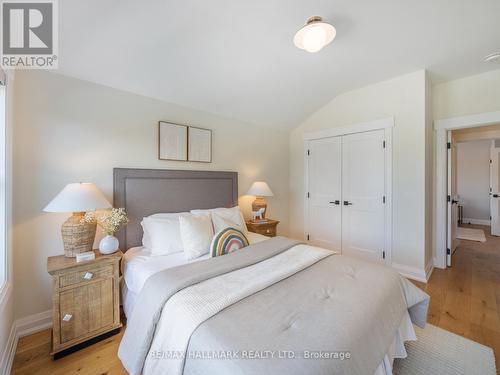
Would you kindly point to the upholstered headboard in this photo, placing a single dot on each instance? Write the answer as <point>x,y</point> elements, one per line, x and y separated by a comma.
<point>143,192</point>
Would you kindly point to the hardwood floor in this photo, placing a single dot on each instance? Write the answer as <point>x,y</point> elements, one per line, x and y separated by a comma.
<point>465,299</point>
<point>32,357</point>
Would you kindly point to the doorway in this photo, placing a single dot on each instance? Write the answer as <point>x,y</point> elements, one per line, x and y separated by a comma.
<point>441,204</point>
<point>472,185</point>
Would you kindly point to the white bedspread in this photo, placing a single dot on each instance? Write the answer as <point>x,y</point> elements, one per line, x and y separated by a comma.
<point>193,305</point>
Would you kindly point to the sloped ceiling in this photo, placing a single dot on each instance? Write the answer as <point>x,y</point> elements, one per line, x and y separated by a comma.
<point>236,58</point>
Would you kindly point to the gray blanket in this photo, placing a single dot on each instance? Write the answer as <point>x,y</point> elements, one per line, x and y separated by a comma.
<point>141,326</point>
<point>337,305</point>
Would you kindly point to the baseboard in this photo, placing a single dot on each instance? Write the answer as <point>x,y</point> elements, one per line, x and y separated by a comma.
<point>23,327</point>
<point>429,268</point>
<point>413,273</point>
<point>33,323</point>
<point>10,350</point>
<point>476,221</point>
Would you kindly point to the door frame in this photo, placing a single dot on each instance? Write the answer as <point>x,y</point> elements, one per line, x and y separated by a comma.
<point>385,124</point>
<point>441,128</point>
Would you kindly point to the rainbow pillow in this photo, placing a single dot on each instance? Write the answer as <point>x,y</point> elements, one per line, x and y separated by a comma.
<point>226,241</point>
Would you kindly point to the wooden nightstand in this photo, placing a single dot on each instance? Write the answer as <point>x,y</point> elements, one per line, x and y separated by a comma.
<point>267,228</point>
<point>86,301</point>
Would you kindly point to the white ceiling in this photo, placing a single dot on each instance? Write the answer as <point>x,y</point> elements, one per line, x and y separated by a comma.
<point>236,57</point>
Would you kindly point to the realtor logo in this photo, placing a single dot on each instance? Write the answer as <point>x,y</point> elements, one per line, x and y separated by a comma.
<point>29,34</point>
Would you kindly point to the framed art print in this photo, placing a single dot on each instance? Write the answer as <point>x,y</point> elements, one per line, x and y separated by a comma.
<point>172,141</point>
<point>199,145</point>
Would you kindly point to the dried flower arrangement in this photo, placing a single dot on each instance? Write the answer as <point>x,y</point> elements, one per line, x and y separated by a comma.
<point>109,222</point>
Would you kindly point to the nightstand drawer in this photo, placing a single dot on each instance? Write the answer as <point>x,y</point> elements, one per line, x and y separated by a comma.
<point>266,228</point>
<point>270,232</point>
<point>85,275</point>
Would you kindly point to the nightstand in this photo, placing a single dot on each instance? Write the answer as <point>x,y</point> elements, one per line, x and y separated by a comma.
<point>266,228</point>
<point>86,301</point>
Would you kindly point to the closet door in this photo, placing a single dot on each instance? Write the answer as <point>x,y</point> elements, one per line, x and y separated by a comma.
<point>363,189</point>
<point>324,188</point>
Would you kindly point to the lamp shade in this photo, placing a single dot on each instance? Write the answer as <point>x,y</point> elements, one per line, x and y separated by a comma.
<point>78,197</point>
<point>260,189</point>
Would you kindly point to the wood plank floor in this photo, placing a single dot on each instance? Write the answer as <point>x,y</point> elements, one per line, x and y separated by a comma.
<point>465,299</point>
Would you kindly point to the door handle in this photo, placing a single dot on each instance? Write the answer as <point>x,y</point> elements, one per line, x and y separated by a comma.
<point>347,203</point>
<point>453,201</point>
<point>337,202</point>
<point>495,195</point>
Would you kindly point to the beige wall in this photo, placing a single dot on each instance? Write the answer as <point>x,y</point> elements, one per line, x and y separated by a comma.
<point>69,130</point>
<point>467,96</point>
<point>404,99</point>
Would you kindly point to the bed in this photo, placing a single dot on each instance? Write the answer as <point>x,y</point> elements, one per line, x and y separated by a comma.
<point>138,265</point>
<point>276,306</point>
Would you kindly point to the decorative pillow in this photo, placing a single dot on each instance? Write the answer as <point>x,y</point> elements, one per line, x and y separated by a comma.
<point>196,234</point>
<point>227,241</point>
<point>230,214</point>
<point>162,236</point>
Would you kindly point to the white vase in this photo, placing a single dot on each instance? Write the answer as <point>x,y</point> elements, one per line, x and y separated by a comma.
<point>108,245</point>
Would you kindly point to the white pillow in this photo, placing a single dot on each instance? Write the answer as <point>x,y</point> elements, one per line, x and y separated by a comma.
<point>146,238</point>
<point>220,223</point>
<point>233,215</point>
<point>164,235</point>
<point>196,234</point>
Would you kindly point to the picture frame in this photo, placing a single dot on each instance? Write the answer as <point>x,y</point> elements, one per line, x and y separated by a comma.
<point>199,145</point>
<point>172,141</point>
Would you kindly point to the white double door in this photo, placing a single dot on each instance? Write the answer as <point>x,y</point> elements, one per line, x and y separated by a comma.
<point>346,194</point>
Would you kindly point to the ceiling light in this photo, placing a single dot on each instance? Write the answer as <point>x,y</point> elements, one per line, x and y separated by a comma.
<point>494,57</point>
<point>314,35</point>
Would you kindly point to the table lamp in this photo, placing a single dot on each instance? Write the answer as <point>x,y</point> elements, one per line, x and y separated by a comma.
<point>260,190</point>
<point>78,236</point>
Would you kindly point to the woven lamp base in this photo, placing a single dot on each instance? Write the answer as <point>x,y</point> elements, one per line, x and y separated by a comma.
<point>77,237</point>
<point>259,203</point>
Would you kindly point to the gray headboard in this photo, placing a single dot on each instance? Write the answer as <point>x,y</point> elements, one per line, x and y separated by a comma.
<point>143,192</point>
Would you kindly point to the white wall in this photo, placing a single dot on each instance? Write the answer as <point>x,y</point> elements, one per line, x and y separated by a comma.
<point>467,96</point>
<point>404,99</point>
<point>69,130</point>
<point>473,178</point>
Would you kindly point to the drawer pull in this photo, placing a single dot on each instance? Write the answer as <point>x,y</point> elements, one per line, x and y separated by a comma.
<point>67,317</point>
<point>268,230</point>
<point>88,276</point>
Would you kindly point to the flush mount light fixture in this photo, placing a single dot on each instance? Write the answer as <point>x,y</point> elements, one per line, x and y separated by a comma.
<point>494,57</point>
<point>314,35</point>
